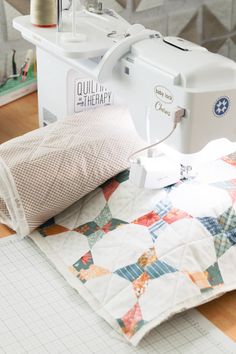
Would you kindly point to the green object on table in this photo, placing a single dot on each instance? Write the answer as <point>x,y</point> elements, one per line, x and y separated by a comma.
<point>15,84</point>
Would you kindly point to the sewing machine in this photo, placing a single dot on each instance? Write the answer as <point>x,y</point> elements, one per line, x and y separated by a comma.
<point>173,87</point>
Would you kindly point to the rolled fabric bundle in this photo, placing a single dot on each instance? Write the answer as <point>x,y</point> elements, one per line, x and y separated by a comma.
<point>47,170</point>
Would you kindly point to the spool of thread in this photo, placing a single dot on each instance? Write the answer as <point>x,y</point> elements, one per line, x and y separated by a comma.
<point>43,13</point>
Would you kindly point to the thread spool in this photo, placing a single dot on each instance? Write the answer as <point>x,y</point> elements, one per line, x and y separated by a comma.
<point>43,13</point>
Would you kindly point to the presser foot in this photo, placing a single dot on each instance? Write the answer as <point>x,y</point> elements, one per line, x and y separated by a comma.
<point>186,172</point>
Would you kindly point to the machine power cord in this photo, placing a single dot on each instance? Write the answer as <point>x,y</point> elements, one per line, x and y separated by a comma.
<point>131,157</point>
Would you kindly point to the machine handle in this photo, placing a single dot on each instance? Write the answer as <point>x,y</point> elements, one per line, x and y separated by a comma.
<point>114,54</point>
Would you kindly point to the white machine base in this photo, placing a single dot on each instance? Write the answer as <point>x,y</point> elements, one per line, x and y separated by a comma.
<point>155,172</point>
<point>73,38</point>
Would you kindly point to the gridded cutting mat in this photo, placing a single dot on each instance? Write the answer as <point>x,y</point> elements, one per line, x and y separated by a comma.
<point>40,313</point>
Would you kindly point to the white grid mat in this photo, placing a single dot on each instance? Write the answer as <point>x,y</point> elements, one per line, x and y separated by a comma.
<point>41,313</point>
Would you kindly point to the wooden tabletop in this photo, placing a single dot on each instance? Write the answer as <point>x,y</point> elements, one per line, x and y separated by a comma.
<point>20,117</point>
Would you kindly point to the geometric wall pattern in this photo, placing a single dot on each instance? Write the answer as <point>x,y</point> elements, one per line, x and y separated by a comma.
<point>211,23</point>
<point>22,6</point>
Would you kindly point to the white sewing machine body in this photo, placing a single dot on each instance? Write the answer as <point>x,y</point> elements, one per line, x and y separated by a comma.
<point>157,77</point>
<point>67,82</point>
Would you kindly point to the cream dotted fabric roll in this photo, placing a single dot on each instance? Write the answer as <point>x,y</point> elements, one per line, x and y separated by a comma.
<point>49,169</point>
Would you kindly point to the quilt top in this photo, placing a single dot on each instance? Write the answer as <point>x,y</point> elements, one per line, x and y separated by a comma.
<point>140,256</point>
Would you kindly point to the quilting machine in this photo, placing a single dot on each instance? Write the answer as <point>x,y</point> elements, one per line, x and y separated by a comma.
<point>174,89</point>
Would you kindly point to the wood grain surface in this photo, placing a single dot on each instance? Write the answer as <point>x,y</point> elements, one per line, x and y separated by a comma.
<point>18,117</point>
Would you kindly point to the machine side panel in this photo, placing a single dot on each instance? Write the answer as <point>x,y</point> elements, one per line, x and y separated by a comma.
<point>63,91</point>
<point>213,116</point>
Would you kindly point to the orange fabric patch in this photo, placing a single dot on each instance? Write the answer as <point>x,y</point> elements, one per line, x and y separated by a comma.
<point>54,230</point>
<point>110,188</point>
<point>5,231</point>
<point>200,279</point>
<point>148,219</point>
<point>175,215</point>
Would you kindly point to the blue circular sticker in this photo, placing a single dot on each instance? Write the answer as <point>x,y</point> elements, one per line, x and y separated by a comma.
<point>221,106</point>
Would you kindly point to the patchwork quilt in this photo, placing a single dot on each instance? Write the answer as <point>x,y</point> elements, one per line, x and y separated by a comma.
<point>140,256</point>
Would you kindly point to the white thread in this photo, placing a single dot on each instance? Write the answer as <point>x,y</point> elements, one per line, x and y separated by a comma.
<point>43,13</point>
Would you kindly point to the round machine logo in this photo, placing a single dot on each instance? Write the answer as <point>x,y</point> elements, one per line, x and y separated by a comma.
<point>221,106</point>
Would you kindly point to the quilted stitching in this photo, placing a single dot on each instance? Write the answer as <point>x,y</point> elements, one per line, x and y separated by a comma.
<point>139,270</point>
